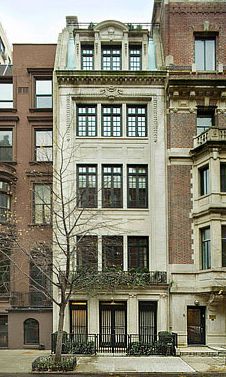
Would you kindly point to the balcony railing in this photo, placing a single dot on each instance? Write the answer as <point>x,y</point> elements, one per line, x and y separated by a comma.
<point>131,26</point>
<point>29,299</point>
<point>212,134</point>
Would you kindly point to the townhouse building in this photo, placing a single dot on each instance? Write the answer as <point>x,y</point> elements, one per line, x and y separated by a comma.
<point>193,46</point>
<point>109,105</point>
<point>25,178</point>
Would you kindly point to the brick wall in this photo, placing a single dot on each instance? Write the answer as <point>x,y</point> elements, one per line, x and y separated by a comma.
<point>179,188</point>
<point>181,129</point>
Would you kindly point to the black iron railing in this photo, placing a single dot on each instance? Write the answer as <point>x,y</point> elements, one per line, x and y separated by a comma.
<point>131,344</point>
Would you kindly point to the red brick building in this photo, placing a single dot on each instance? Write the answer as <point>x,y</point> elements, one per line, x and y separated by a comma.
<point>194,51</point>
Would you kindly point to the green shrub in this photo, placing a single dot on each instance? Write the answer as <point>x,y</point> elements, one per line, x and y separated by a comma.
<point>46,363</point>
<point>85,348</point>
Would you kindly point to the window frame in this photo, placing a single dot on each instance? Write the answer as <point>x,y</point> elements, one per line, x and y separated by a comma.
<point>111,57</point>
<point>204,38</point>
<point>42,95</point>
<point>8,100</point>
<point>87,174</point>
<point>86,259</point>
<point>205,113</point>
<point>133,47</point>
<point>112,246</point>
<point>142,259</point>
<point>204,180</point>
<point>118,115</point>
<point>86,115</point>
<point>205,248</point>
<point>43,205</point>
<point>5,211</point>
<point>86,47</point>
<point>136,115</point>
<point>48,147</point>
<point>137,175</point>
<point>115,203</point>
<point>222,176</point>
<point>4,129</point>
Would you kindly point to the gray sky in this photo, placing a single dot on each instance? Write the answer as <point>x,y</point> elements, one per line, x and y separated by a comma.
<point>27,21</point>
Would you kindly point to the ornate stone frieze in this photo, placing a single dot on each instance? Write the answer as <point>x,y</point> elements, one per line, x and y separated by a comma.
<point>111,92</point>
<point>155,119</point>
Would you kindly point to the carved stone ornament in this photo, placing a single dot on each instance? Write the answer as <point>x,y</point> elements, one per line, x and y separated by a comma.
<point>111,92</point>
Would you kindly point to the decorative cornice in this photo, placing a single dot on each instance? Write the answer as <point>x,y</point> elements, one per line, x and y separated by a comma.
<point>100,78</point>
<point>197,8</point>
<point>40,118</point>
<point>9,118</point>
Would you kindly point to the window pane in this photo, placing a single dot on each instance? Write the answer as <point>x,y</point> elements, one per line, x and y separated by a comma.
<point>86,121</point>
<point>44,87</point>
<point>111,121</point>
<point>206,252</point>
<point>138,253</point>
<point>31,331</point>
<point>210,54</point>
<point>43,145</point>
<point>136,121</point>
<point>205,54</point>
<point>5,201</point>
<point>112,252</point>
<point>87,58</point>
<point>199,55</point>
<point>137,187</point>
<point>112,187</point>
<point>223,176</point>
<point>87,186</point>
<point>42,204</point>
<point>204,181</point>
<point>111,58</point>
<point>87,252</point>
<point>135,58</point>
<point>6,145</point>
<point>6,95</point>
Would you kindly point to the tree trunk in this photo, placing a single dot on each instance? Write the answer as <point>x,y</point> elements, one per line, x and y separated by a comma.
<point>60,334</point>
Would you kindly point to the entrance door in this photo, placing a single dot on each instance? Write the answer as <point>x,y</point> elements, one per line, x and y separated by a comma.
<point>196,325</point>
<point>79,320</point>
<point>3,331</point>
<point>147,321</point>
<point>113,325</point>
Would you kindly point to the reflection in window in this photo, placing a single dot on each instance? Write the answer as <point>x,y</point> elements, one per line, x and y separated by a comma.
<point>43,94</point>
<point>112,252</point>
<point>31,331</point>
<point>42,204</point>
<point>138,253</point>
<point>205,248</point>
<point>5,201</point>
<point>43,145</point>
<point>6,95</point>
<point>87,186</point>
<point>6,150</point>
<point>137,186</point>
<point>112,186</point>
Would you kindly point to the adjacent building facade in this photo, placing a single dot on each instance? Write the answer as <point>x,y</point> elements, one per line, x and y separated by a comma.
<point>25,176</point>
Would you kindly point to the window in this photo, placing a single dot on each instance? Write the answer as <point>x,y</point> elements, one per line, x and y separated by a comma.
<point>87,252</point>
<point>136,121</point>
<point>205,245</point>
<point>79,321</point>
<point>6,145</point>
<point>205,54</point>
<point>87,58</point>
<point>223,176</point>
<point>43,94</point>
<point>223,237</point>
<point>31,331</point>
<point>147,321</point>
<point>205,120</point>
<point>111,58</point>
<point>137,186</point>
<point>112,186</point>
<point>86,120</point>
<point>138,253</point>
<point>204,180</point>
<point>6,95</point>
<point>5,201</point>
<point>43,145</point>
<point>87,186</point>
<point>42,204</point>
<point>112,252</point>
<point>111,121</point>
<point>135,58</point>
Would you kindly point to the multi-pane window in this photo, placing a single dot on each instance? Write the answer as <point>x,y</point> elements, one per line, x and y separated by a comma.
<point>205,120</point>
<point>136,121</point>
<point>111,121</point>
<point>137,186</point>
<point>43,94</point>
<point>112,186</point>
<point>111,58</point>
<point>205,248</point>
<point>5,201</point>
<point>112,252</point>
<point>6,95</point>
<point>6,145</point>
<point>43,145</point>
<point>135,58</point>
<point>204,180</point>
<point>223,176</point>
<point>205,54</point>
<point>223,238</point>
<point>87,252</point>
<point>86,120</point>
<point>42,204</point>
<point>87,186</point>
<point>87,54</point>
<point>138,253</point>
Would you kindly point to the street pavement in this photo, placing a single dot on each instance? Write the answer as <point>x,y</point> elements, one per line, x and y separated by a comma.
<point>15,363</point>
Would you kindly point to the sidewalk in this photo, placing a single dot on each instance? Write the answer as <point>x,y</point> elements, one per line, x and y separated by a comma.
<point>19,362</point>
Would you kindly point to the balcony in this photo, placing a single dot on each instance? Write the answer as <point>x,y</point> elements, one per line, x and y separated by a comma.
<point>29,300</point>
<point>212,136</point>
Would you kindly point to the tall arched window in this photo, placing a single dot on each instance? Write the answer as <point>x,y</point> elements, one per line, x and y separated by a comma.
<point>31,331</point>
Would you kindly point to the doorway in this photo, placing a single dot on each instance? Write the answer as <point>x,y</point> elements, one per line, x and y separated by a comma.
<point>3,331</point>
<point>196,325</point>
